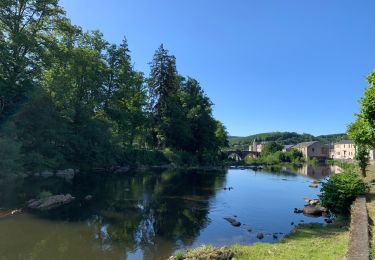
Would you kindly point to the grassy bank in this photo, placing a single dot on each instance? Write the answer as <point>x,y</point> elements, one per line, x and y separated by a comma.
<point>310,241</point>
<point>370,178</point>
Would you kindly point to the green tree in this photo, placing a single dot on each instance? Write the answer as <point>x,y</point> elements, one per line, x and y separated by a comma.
<point>271,147</point>
<point>126,97</point>
<point>362,157</point>
<point>25,29</point>
<point>170,126</point>
<point>363,129</point>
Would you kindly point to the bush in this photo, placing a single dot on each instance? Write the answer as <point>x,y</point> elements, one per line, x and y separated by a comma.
<point>10,157</point>
<point>339,192</point>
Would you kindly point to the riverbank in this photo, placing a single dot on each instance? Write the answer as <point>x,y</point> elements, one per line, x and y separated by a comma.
<point>370,178</point>
<point>307,241</point>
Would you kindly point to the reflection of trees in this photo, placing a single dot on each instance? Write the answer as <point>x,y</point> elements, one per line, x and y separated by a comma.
<point>150,211</point>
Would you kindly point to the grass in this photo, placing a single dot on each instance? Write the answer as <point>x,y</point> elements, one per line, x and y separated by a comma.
<point>310,241</point>
<point>370,178</point>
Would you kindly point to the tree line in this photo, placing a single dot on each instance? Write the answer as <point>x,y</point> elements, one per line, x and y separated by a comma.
<point>70,98</point>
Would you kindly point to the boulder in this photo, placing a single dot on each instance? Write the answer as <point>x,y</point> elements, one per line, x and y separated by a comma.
<point>51,202</point>
<point>313,185</point>
<point>122,169</point>
<point>67,174</point>
<point>298,211</point>
<point>314,202</point>
<point>260,235</point>
<point>46,174</point>
<point>233,222</point>
<point>88,197</point>
<point>314,210</point>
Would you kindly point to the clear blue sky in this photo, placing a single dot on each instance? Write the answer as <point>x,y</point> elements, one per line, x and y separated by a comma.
<point>268,65</point>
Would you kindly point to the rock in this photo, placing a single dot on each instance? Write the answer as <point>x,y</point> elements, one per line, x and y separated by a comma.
<point>301,221</point>
<point>67,174</point>
<point>88,197</point>
<point>46,174</point>
<point>233,222</point>
<point>313,185</point>
<point>249,230</point>
<point>260,235</point>
<point>307,200</point>
<point>314,202</point>
<point>298,211</point>
<point>51,202</point>
<point>328,221</point>
<point>292,223</point>
<point>313,210</point>
<point>274,236</point>
<point>314,181</point>
<point>122,169</point>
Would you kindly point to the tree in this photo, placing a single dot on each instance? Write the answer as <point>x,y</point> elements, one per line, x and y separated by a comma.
<point>362,158</point>
<point>170,125</point>
<point>272,147</point>
<point>363,129</point>
<point>25,29</point>
<point>126,96</point>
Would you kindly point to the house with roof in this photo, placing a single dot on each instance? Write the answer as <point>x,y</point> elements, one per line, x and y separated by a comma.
<point>313,149</point>
<point>345,150</point>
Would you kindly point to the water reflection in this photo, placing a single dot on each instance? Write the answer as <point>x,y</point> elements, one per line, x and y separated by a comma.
<point>150,215</point>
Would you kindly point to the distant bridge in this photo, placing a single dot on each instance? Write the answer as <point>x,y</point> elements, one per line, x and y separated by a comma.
<point>241,155</point>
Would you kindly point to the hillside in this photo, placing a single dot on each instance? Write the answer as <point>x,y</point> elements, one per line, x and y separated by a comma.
<point>242,143</point>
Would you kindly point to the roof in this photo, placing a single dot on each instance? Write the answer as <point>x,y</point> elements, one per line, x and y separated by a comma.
<point>305,144</point>
<point>345,142</point>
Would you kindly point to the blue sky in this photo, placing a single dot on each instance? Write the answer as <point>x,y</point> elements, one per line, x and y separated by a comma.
<point>267,65</point>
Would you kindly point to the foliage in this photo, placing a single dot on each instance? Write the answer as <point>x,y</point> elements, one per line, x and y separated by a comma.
<point>44,194</point>
<point>75,100</point>
<point>294,156</point>
<point>10,157</point>
<point>363,129</point>
<point>338,193</point>
<point>362,157</point>
<point>271,147</point>
<point>285,138</point>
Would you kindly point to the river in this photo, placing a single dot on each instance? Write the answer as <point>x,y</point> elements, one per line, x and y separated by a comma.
<point>150,215</point>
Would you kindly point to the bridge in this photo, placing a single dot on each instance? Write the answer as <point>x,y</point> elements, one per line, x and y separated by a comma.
<point>238,155</point>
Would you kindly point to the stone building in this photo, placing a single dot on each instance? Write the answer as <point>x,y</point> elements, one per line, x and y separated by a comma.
<point>256,147</point>
<point>313,149</point>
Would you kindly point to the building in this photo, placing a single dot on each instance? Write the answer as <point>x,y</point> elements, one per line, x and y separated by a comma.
<point>312,149</point>
<point>345,150</point>
<point>256,147</point>
<point>288,147</point>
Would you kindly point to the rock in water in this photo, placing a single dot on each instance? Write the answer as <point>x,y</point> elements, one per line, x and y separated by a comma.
<point>313,185</point>
<point>51,202</point>
<point>88,197</point>
<point>260,235</point>
<point>313,210</point>
<point>233,222</point>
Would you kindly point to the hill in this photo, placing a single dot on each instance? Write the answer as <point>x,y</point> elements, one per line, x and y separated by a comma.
<point>242,143</point>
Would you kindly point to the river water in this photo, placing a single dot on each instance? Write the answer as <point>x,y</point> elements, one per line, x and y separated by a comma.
<point>151,215</point>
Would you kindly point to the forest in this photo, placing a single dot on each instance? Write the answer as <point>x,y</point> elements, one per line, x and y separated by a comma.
<point>71,99</point>
<point>285,138</point>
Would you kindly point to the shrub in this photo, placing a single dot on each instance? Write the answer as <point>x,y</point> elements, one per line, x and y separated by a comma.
<point>10,157</point>
<point>44,194</point>
<point>339,192</point>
